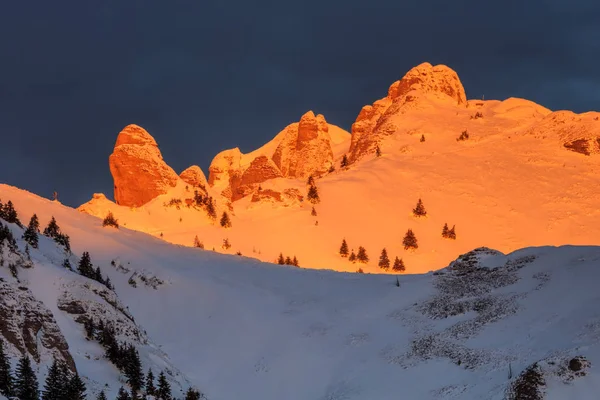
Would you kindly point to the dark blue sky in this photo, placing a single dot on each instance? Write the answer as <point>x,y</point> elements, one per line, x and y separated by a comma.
<point>203,76</point>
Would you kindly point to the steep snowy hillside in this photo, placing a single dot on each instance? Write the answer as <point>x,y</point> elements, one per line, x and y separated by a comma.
<point>486,326</point>
<point>507,174</point>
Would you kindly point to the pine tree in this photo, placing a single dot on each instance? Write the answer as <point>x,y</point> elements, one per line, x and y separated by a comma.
<point>313,195</point>
<point>133,369</point>
<point>445,231</point>
<point>422,138</point>
<point>198,243</point>
<point>76,388</point>
<point>344,249</point>
<point>377,151</point>
<point>226,244</point>
<point>352,257</point>
<point>164,388</point>
<point>210,209</point>
<point>288,260</point>
<point>150,389</point>
<point>31,233</point>
<point>311,181</point>
<point>110,220</point>
<point>6,379</point>
<point>419,210</point>
<point>360,271</point>
<point>57,382</point>
<point>101,396</point>
<point>399,265</point>
<point>313,212</point>
<point>108,284</point>
<point>344,162</point>
<point>384,261</point>
<point>281,260</point>
<point>10,214</point>
<point>192,394</point>
<point>52,230</point>
<point>98,275</point>
<point>225,221</point>
<point>295,262</point>
<point>452,233</point>
<point>26,384</point>
<point>2,216</point>
<point>410,240</point>
<point>123,395</point>
<point>362,256</point>
<point>85,266</point>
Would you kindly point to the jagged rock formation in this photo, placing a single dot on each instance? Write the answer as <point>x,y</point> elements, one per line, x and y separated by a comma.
<point>305,149</point>
<point>372,122</point>
<point>286,198</point>
<point>138,169</point>
<point>194,176</point>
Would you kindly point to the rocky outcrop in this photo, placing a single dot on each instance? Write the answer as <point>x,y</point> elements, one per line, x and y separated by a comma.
<point>225,168</point>
<point>194,176</point>
<point>305,148</point>
<point>29,326</point>
<point>287,198</point>
<point>373,121</point>
<point>138,169</point>
<point>261,169</point>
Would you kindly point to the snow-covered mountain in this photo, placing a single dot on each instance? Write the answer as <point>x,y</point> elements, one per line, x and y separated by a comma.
<point>488,326</point>
<point>507,174</point>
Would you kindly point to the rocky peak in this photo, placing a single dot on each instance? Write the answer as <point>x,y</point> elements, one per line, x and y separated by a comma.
<point>194,176</point>
<point>305,148</point>
<point>138,169</point>
<point>373,122</point>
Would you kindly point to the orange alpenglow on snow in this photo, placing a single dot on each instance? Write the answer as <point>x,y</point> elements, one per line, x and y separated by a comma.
<point>503,174</point>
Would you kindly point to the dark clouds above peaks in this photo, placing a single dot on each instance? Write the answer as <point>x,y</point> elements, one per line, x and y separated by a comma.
<point>203,76</point>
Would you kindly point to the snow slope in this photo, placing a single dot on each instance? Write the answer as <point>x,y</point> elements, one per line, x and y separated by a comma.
<point>512,184</point>
<point>239,328</point>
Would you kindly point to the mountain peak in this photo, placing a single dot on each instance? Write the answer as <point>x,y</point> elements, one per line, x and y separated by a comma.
<point>427,78</point>
<point>136,135</point>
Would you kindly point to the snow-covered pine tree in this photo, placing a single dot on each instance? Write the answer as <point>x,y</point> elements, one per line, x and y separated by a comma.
<point>192,394</point>
<point>419,210</point>
<point>445,231</point>
<point>133,369</point>
<point>384,261</point>
<point>52,229</point>
<point>31,233</point>
<point>410,240</point>
<point>362,256</point>
<point>344,248</point>
<point>101,396</point>
<point>225,220</point>
<point>163,391</point>
<point>398,265</point>
<point>10,214</point>
<point>26,384</point>
<point>55,386</point>
<point>6,378</point>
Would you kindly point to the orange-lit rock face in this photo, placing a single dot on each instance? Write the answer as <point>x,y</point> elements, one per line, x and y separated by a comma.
<point>137,167</point>
<point>194,176</point>
<point>305,148</point>
<point>372,121</point>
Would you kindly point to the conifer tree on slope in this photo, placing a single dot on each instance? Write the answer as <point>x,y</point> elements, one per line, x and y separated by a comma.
<point>281,260</point>
<point>192,394</point>
<point>123,395</point>
<point>101,396</point>
<point>133,369</point>
<point>410,240</point>
<point>76,388</point>
<point>6,379</point>
<point>163,391</point>
<point>310,181</point>
<point>85,266</point>
<point>26,384</point>
<point>399,265</point>
<point>295,262</point>
<point>384,261</point>
<point>445,231</point>
<point>52,230</point>
<point>352,257</point>
<point>225,220</point>
<point>344,162</point>
<point>150,388</point>
<point>10,214</point>
<point>55,387</point>
<point>31,233</point>
<point>344,249</point>
<point>419,210</point>
<point>362,256</point>
<point>313,212</point>
<point>288,261</point>
<point>313,195</point>
<point>452,233</point>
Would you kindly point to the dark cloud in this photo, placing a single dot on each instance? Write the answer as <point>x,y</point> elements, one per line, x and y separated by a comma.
<point>204,76</point>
